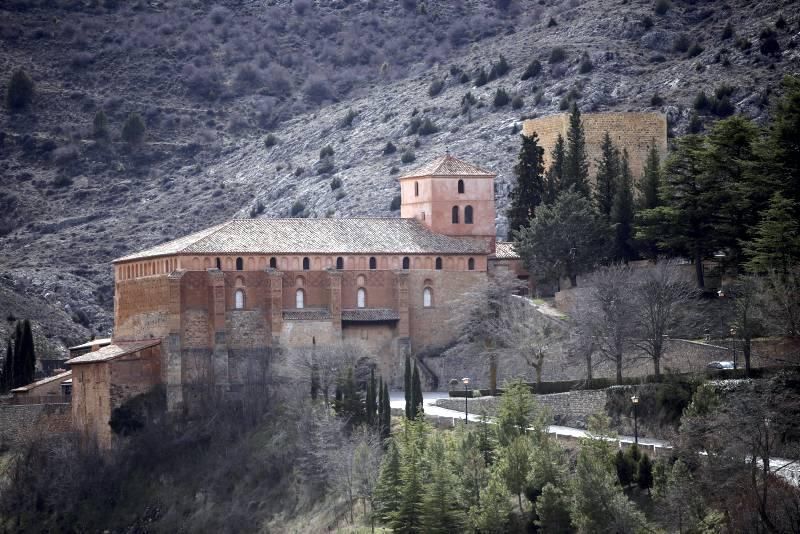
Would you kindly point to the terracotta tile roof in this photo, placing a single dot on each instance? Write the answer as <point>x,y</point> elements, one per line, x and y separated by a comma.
<point>363,315</point>
<point>447,165</point>
<point>60,376</point>
<point>504,250</point>
<point>389,235</point>
<point>116,350</point>
<point>308,314</point>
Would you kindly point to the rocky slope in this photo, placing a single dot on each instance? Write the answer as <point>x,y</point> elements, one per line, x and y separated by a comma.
<point>69,203</point>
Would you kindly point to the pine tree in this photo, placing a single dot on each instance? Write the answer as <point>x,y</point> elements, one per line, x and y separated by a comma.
<point>622,213</point>
<point>776,243</point>
<point>494,511</point>
<point>409,393</point>
<point>552,508</point>
<point>514,466</point>
<point>783,148</point>
<point>407,518</point>
<point>576,167</point>
<point>440,510</point>
<point>20,90</point>
<point>608,170</point>
<point>417,394</point>
<point>554,180</point>
<point>387,491</point>
<point>530,187</point>
<point>645,473</point>
<point>133,130</point>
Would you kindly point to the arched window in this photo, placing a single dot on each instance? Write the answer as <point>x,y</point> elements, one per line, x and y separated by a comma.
<point>306,264</point>
<point>273,263</point>
<point>468,215</point>
<point>455,214</point>
<point>438,264</point>
<point>239,299</point>
<point>373,263</point>
<point>340,263</point>
<point>416,189</point>
<point>219,264</point>
<point>460,187</point>
<point>406,263</point>
<point>299,299</point>
<point>427,297</point>
<point>239,264</point>
<point>471,264</point>
<point>361,297</point>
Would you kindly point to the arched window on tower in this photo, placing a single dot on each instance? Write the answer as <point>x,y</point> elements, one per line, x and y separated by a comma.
<point>340,263</point>
<point>239,264</point>
<point>406,263</point>
<point>427,297</point>
<point>299,299</point>
<point>416,189</point>
<point>373,263</point>
<point>219,264</point>
<point>306,264</point>
<point>361,297</point>
<point>238,299</point>
<point>460,187</point>
<point>468,215</point>
<point>273,263</point>
<point>471,264</point>
<point>455,214</point>
<point>438,264</point>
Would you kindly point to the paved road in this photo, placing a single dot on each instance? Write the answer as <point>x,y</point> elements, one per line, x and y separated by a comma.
<point>787,469</point>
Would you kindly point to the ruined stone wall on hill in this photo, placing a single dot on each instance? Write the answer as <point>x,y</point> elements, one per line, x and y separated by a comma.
<point>636,132</point>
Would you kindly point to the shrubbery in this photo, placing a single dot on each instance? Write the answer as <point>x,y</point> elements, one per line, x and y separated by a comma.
<point>133,130</point>
<point>532,70</point>
<point>19,93</point>
<point>557,55</point>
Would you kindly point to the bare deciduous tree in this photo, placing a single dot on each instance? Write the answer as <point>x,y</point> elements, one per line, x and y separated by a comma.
<point>606,311</point>
<point>660,292</point>
<point>783,290</point>
<point>746,296</point>
<point>525,331</point>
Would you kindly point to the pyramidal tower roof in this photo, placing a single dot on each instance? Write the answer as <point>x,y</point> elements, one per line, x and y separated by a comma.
<point>447,165</point>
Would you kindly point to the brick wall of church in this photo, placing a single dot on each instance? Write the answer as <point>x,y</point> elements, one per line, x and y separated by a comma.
<point>141,307</point>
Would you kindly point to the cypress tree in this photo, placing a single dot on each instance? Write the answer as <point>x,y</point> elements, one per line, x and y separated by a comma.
<point>651,179</point>
<point>607,176</point>
<point>370,420</point>
<point>386,427</point>
<point>576,168</point>
<point>417,396</point>
<point>622,213</point>
<point>8,369</point>
<point>379,420</point>
<point>645,474</point>
<point>407,389</point>
<point>28,354</point>
<point>555,174</point>
<point>530,187</point>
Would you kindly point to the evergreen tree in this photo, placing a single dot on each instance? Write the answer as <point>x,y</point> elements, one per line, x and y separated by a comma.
<point>23,363</point>
<point>20,90</point>
<point>776,243</point>
<point>576,166</point>
<point>8,369</point>
<point>565,239</point>
<point>370,415</point>
<point>625,469</point>
<point>100,125</point>
<point>644,475</point>
<point>514,466</point>
<point>494,511</point>
<point>470,467</point>
<point>530,187</point>
<point>407,518</point>
<point>387,491</point>
<point>416,405</point>
<point>379,420</point>
<point>607,176</point>
<point>516,413</point>
<point>552,509</point>
<point>440,510</point>
<point>133,130</point>
<point>348,402</point>
<point>622,213</point>
<point>386,423</point>
<point>554,180</point>
<point>783,148</point>
<point>650,181</point>
<point>409,393</point>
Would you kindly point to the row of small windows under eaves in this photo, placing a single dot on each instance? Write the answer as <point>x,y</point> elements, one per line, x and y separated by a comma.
<point>239,298</point>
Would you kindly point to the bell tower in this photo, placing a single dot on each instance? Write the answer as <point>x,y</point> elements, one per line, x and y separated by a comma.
<point>453,198</point>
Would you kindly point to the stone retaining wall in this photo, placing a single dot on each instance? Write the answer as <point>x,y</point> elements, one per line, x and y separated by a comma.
<point>19,422</point>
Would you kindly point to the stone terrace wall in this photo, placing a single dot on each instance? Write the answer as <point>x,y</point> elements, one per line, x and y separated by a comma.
<point>568,409</point>
<point>633,131</point>
<point>20,422</point>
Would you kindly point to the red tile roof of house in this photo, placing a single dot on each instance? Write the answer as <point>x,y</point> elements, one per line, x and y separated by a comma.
<point>447,165</point>
<point>110,352</point>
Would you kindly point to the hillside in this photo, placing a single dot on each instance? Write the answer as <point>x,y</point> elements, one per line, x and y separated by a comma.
<point>212,80</point>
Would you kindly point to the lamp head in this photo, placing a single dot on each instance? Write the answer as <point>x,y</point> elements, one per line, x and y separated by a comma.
<point>635,399</point>
<point>465,380</point>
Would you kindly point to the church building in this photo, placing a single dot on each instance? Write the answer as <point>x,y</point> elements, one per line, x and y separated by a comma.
<point>203,312</point>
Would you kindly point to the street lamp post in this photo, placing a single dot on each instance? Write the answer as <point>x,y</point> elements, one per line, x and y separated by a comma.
<point>635,401</point>
<point>733,344</point>
<point>466,407</point>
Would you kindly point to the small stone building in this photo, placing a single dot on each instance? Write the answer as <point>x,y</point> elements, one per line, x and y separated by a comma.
<point>210,307</point>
